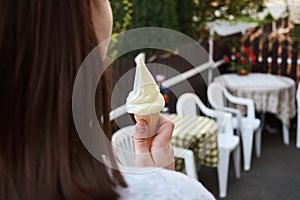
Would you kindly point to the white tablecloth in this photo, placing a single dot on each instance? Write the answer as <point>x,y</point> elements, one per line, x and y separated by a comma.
<point>271,93</point>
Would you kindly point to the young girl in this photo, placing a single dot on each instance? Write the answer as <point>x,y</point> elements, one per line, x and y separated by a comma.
<point>42,45</point>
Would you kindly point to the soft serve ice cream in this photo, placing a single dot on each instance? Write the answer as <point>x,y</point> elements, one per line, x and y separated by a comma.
<point>145,101</point>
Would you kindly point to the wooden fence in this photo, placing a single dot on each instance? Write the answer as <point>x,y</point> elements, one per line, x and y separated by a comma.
<point>277,56</point>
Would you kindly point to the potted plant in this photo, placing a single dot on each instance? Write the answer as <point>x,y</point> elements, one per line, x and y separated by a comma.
<point>241,61</point>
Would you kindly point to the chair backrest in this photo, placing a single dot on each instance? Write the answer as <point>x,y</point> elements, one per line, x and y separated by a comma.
<point>187,105</point>
<point>217,90</point>
<point>215,95</point>
<point>122,143</point>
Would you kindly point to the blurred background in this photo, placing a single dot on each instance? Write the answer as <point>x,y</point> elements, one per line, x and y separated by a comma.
<point>270,28</point>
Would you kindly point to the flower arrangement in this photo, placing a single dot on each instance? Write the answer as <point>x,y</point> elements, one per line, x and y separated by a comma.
<point>163,90</point>
<point>241,61</point>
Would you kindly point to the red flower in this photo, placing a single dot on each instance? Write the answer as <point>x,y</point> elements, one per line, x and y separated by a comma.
<point>237,56</point>
<point>226,59</point>
<point>252,58</point>
<point>166,98</point>
<point>247,50</point>
<point>243,60</point>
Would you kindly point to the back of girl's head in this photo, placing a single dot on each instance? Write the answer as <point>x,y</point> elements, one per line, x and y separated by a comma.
<point>42,44</point>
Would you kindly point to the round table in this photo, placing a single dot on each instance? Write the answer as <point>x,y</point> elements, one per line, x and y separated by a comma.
<point>198,133</point>
<point>271,93</point>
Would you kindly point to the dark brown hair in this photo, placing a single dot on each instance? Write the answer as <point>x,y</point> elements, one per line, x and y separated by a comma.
<point>42,44</point>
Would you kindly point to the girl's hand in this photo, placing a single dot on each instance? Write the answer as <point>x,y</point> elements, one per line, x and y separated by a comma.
<point>154,151</point>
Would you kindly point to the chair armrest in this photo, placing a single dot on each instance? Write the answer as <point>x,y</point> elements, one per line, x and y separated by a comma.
<point>242,101</point>
<point>215,105</point>
<point>224,119</point>
<point>234,111</point>
<point>209,112</point>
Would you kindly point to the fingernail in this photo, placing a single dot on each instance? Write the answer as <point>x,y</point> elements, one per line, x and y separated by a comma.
<point>142,128</point>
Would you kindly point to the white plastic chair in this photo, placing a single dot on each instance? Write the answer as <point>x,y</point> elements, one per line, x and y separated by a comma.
<point>247,125</point>
<point>298,120</point>
<point>187,104</point>
<point>123,147</point>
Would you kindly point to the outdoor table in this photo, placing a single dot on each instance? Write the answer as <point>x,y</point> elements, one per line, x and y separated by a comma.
<point>198,133</point>
<point>271,93</point>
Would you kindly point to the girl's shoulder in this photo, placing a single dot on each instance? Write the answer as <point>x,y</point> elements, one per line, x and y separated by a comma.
<point>154,183</point>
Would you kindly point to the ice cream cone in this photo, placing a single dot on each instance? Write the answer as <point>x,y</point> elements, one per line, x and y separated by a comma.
<point>145,100</point>
<point>151,120</point>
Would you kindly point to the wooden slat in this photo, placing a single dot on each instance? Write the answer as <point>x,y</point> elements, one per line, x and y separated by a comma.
<point>284,56</point>
<point>255,49</point>
<point>294,60</point>
<point>274,57</point>
<point>265,50</point>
